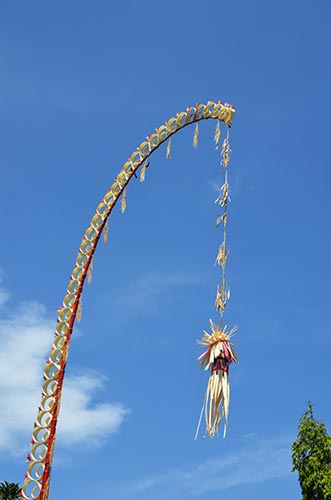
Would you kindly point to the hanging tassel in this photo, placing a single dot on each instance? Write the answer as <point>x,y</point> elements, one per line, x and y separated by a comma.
<point>168,149</point>
<point>90,271</point>
<point>123,201</point>
<point>105,232</point>
<point>196,135</point>
<point>218,357</point>
<point>217,137</point>
<point>143,173</point>
<point>79,309</point>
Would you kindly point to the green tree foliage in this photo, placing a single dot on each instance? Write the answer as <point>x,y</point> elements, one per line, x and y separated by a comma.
<point>10,491</point>
<point>311,457</point>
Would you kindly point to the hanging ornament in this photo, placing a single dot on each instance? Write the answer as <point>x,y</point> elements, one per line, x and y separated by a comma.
<point>217,137</point>
<point>105,232</point>
<point>90,271</point>
<point>218,357</point>
<point>196,135</point>
<point>168,153</point>
<point>123,201</point>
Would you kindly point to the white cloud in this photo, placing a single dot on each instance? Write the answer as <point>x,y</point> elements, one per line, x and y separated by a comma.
<point>258,461</point>
<point>79,420</point>
<point>25,338</point>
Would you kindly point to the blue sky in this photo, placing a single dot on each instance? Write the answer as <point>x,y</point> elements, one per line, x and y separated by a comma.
<point>82,83</point>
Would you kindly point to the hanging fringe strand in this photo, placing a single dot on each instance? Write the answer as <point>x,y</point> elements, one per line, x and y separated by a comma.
<point>217,137</point>
<point>79,309</point>
<point>123,201</point>
<point>143,173</point>
<point>196,135</point>
<point>168,153</point>
<point>90,271</point>
<point>105,232</point>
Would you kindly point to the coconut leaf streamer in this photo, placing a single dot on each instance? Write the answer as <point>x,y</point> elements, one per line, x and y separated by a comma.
<point>123,202</point>
<point>217,137</point>
<point>196,135</point>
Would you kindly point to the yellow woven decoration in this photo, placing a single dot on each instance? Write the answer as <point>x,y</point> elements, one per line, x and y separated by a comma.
<point>217,137</point>
<point>168,153</point>
<point>90,271</point>
<point>105,232</point>
<point>218,356</point>
<point>123,202</point>
<point>196,135</point>
<point>79,309</point>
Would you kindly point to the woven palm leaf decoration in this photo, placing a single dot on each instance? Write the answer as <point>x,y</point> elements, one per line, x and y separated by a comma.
<point>218,357</point>
<point>219,353</point>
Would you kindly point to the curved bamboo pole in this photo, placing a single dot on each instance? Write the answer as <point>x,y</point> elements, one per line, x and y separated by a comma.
<point>37,477</point>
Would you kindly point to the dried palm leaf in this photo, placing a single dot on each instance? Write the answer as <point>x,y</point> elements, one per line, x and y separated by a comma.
<point>90,271</point>
<point>105,232</point>
<point>222,255</point>
<point>220,301</point>
<point>196,135</point>
<point>168,153</point>
<point>123,201</point>
<point>217,137</point>
<point>143,173</point>
<point>223,197</point>
<point>226,152</point>
<point>221,218</point>
<point>79,309</point>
